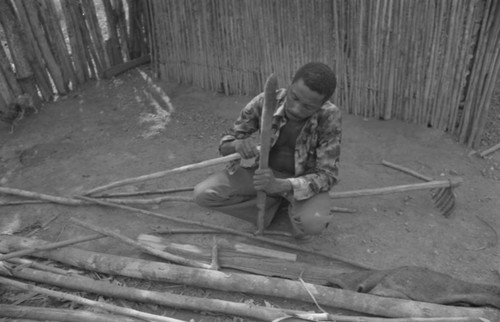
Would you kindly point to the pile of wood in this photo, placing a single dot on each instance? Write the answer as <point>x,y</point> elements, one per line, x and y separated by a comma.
<point>22,274</point>
<point>227,266</point>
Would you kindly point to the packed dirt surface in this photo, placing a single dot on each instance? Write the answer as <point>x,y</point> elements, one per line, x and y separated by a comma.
<point>112,129</point>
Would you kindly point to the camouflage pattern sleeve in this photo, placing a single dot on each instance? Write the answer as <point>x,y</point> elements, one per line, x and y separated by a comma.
<point>324,174</point>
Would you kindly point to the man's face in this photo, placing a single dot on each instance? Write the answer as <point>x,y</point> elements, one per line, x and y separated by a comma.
<point>301,102</point>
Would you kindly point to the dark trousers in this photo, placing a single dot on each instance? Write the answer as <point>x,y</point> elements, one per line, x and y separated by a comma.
<point>235,195</point>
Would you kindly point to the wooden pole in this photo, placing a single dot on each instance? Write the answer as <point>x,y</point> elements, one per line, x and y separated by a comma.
<point>85,284</point>
<point>252,284</point>
<point>84,301</point>
<point>53,314</point>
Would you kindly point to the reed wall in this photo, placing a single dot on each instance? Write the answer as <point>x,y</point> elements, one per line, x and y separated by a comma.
<point>432,62</point>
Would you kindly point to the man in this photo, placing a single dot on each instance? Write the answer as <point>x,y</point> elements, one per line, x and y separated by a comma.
<point>303,161</point>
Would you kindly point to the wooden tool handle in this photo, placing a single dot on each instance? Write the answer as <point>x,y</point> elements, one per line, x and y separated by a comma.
<point>452,182</point>
<point>265,142</point>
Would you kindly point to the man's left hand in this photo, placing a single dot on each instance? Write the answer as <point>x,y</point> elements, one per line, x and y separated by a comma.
<point>264,180</point>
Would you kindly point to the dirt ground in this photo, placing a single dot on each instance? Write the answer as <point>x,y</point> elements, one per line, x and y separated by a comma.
<point>111,129</point>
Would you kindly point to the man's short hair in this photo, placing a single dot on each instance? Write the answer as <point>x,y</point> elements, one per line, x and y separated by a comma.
<point>318,77</point>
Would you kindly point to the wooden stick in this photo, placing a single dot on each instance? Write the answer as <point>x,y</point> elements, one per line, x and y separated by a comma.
<point>39,266</point>
<point>228,230</point>
<point>252,284</point>
<point>490,150</point>
<point>150,250</point>
<point>76,202</point>
<point>156,175</point>
<point>84,301</point>
<point>50,246</point>
<point>143,193</point>
<point>53,314</point>
<point>407,170</point>
<point>265,142</point>
<point>167,230</point>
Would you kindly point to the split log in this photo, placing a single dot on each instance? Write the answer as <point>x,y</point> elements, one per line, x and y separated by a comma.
<point>52,314</point>
<point>266,266</point>
<point>148,249</point>
<point>252,284</point>
<point>84,301</point>
<point>231,249</point>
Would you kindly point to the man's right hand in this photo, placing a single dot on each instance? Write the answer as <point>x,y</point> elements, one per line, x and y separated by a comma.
<point>247,148</point>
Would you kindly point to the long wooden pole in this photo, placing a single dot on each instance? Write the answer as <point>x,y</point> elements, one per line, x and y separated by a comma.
<point>53,314</point>
<point>85,284</point>
<point>252,284</point>
<point>84,301</point>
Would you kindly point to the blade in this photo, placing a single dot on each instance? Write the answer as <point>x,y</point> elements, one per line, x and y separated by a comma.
<point>265,142</point>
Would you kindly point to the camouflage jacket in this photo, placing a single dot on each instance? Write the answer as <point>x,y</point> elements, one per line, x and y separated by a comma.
<point>317,147</point>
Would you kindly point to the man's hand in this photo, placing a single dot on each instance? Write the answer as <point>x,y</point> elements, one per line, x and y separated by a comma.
<point>247,148</point>
<point>264,180</point>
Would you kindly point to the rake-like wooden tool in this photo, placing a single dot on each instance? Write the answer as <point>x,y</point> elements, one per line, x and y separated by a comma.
<point>443,195</point>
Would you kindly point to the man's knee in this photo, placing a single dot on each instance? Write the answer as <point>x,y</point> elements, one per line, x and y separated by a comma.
<point>311,225</point>
<point>203,195</point>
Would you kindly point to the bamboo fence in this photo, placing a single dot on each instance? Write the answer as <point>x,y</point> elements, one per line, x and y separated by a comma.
<point>50,47</point>
<point>431,62</point>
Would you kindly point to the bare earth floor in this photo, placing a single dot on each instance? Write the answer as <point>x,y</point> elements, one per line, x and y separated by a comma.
<point>110,130</point>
